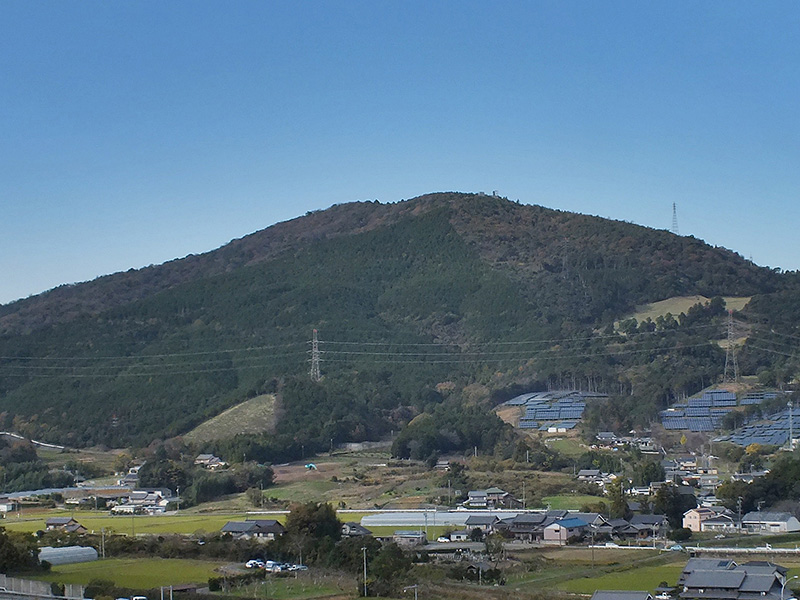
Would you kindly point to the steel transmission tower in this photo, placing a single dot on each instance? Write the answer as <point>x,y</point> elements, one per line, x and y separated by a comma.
<point>731,367</point>
<point>315,374</point>
<point>675,219</point>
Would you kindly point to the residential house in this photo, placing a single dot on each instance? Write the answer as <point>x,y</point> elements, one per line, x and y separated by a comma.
<point>770,522</point>
<point>461,535</point>
<point>210,462</point>
<point>493,497</point>
<point>260,529</point>
<point>694,518</point>
<point>526,527</point>
<point>651,525</point>
<point>748,477</point>
<point>485,523</point>
<point>562,531</point>
<point>590,475</point>
<point>607,438</point>
<point>268,528</point>
<point>67,524</point>
<point>145,501</point>
<point>477,499</point>
<point>721,523</point>
<point>497,498</point>
<point>702,579</point>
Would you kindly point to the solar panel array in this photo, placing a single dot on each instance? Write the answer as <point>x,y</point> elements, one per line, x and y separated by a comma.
<point>703,413</point>
<point>690,423</point>
<point>757,397</point>
<point>562,409</point>
<point>774,431</point>
<point>558,411</point>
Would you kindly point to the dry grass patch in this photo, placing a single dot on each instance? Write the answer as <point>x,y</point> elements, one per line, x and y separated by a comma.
<point>256,415</point>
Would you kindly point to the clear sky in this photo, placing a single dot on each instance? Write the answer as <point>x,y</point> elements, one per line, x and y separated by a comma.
<point>134,132</point>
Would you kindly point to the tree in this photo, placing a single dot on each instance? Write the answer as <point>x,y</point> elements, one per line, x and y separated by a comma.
<point>17,552</point>
<point>618,504</point>
<point>317,519</point>
<point>254,496</point>
<point>648,472</point>
<point>387,568</point>
<point>670,502</point>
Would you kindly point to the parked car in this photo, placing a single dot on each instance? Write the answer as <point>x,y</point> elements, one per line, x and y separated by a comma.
<point>675,548</point>
<point>443,539</point>
<point>254,564</point>
<point>273,566</point>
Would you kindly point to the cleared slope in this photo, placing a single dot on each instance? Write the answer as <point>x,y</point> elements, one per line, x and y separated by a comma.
<point>256,415</point>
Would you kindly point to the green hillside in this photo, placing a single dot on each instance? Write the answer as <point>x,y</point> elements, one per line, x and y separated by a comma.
<point>455,288</point>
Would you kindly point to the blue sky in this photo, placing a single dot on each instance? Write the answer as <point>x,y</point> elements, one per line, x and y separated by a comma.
<point>132,133</point>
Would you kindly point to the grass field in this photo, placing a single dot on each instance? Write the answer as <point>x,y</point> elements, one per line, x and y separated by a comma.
<point>569,447</point>
<point>570,501</point>
<point>136,573</point>
<point>303,586</point>
<point>679,304</point>
<point>256,415</point>
<point>95,521</point>
<point>642,578</point>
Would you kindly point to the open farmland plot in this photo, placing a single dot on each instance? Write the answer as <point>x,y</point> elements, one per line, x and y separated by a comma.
<point>136,573</point>
<point>184,523</point>
<point>638,578</point>
<point>301,587</point>
<point>570,501</point>
<point>564,567</point>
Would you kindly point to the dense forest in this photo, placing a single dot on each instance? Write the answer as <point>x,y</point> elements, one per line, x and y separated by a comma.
<point>422,307</point>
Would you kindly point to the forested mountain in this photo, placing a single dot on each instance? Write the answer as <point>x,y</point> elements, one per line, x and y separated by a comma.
<point>445,299</point>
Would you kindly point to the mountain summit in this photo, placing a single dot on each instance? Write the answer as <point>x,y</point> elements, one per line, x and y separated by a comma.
<point>152,352</point>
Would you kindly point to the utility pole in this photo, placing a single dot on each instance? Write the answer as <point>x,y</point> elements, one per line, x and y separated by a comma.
<point>739,506</point>
<point>364,551</point>
<point>315,373</point>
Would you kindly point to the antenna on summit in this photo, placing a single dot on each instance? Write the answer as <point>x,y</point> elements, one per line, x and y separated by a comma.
<point>675,219</point>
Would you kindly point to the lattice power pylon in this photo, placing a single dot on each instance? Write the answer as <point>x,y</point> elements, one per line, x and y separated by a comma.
<point>731,366</point>
<point>315,373</point>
